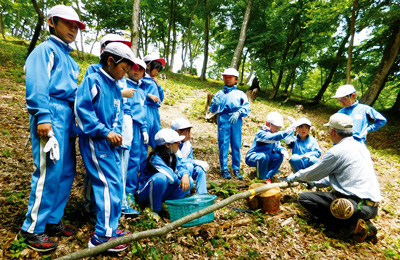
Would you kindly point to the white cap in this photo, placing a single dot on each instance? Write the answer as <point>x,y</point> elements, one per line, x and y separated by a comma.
<point>150,57</point>
<point>303,121</point>
<point>275,118</point>
<point>112,37</point>
<point>66,13</point>
<point>180,123</point>
<point>340,121</point>
<point>167,136</point>
<point>141,63</point>
<point>230,72</point>
<point>344,90</point>
<point>121,50</point>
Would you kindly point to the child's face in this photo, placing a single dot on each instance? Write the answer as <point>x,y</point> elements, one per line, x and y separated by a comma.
<point>273,128</point>
<point>185,132</point>
<point>154,73</point>
<point>65,30</point>
<point>303,130</point>
<point>175,147</point>
<point>346,101</point>
<point>230,81</point>
<point>117,71</point>
<point>136,74</point>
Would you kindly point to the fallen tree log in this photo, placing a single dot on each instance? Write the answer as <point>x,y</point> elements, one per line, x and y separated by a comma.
<point>173,225</point>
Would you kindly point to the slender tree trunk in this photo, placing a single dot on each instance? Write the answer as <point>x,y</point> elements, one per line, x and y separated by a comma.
<point>171,67</point>
<point>396,105</point>
<point>80,31</point>
<point>352,33</point>
<point>250,75</point>
<point>188,35</point>
<point>95,40</point>
<point>171,10</point>
<point>389,56</point>
<point>242,37</point>
<point>206,42</point>
<point>2,25</point>
<point>135,27</point>
<point>243,64</point>
<point>38,27</point>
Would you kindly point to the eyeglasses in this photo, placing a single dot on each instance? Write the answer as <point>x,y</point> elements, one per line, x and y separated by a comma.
<point>343,99</point>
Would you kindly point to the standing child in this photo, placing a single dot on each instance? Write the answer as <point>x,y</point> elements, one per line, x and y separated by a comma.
<point>98,108</point>
<point>305,148</point>
<point>360,113</point>
<point>135,108</point>
<point>266,152</point>
<point>197,169</point>
<point>154,95</point>
<point>231,104</point>
<point>51,83</point>
<point>164,178</point>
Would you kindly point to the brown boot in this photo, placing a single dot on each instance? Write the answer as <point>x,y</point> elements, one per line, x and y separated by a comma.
<point>361,231</point>
<point>372,231</point>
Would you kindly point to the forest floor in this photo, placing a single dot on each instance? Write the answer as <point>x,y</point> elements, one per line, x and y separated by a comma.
<point>287,234</point>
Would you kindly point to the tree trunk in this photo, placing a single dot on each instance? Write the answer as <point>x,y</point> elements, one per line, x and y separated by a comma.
<point>95,40</point>
<point>171,10</point>
<point>250,75</point>
<point>2,25</point>
<point>80,31</point>
<point>171,66</point>
<point>389,57</point>
<point>396,105</point>
<point>242,37</point>
<point>38,27</point>
<point>188,34</point>
<point>243,64</point>
<point>352,33</point>
<point>135,27</point>
<point>206,42</point>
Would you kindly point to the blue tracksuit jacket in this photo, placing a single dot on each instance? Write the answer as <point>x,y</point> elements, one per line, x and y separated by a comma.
<point>299,147</point>
<point>51,77</point>
<point>231,100</point>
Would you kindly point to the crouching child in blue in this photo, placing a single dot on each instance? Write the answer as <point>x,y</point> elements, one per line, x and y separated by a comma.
<point>164,178</point>
<point>99,112</point>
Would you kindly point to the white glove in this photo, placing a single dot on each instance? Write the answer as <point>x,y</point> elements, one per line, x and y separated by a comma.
<point>52,147</point>
<point>364,133</point>
<point>285,154</point>
<point>290,129</point>
<point>145,137</point>
<point>202,164</point>
<point>306,155</point>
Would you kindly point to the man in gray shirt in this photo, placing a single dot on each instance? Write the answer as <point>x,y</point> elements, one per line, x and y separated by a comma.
<point>347,167</point>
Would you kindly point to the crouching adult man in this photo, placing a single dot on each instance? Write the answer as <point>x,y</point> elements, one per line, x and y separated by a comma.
<point>346,167</point>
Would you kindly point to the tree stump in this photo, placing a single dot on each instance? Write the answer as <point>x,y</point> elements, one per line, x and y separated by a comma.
<point>252,94</point>
<point>210,116</point>
<point>268,201</point>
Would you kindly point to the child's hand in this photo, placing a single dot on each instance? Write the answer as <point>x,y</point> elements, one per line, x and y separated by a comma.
<point>185,182</point>
<point>154,98</point>
<point>128,92</point>
<point>114,138</point>
<point>44,129</point>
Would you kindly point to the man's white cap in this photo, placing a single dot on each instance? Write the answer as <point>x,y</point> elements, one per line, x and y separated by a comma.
<point>344,90</point>
<point>141,63</point>
<point>66,13</point>
<point>275,118</point>
<point>230,72</point>
<point>123,51</point>
<point>150,57</point>
<point>180,123</point>
<point>168,136</point>
<point>303,121</point>
<point>340,121</point>
<point>112,37</point>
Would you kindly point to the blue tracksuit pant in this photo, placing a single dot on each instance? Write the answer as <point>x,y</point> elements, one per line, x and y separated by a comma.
<point>229,133</point>
<point>51,182</point>
<point>153,124</point>
<point>267,163</point>
<point>200,176</point>
<point>299,163</point>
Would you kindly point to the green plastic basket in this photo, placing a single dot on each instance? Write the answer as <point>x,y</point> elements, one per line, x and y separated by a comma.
<point>182,207</point>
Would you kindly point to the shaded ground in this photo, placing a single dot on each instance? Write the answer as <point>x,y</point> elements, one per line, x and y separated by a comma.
<point>288,234</point>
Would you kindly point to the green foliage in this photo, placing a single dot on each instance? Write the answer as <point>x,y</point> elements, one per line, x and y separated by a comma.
<point>7,152</point>
<point>16,247</point>
<point>226,190</point>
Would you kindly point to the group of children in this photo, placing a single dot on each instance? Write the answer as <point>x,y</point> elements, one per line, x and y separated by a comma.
<point>117,119</point>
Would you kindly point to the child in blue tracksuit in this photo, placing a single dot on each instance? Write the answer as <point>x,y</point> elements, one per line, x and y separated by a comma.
<point>231,104</point>
<point>266,152</point>
<point>305,148</point>
<point>164,178</point>
<point>197,168</point>
<point>51,83</point>
<point>360,113</point>
<point>154,95</point>
<point>99,112</point>
<point>135,108</point>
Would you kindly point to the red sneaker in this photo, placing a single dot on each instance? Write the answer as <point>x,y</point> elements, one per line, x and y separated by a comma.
<point>268,181</point>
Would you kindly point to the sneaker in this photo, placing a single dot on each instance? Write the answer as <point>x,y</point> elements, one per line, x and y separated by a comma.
<point>121,233</point>
<point>361,231</point>
<point>38,242</point>
<point>342,208</point>
<point>268,181</point>
<point>130,212</point>
<point>98,240</point>
<point>60,229</point>
<point>225,174</point>
<point>130,198</point>
<point>372,231</point>
<point>238,175</point>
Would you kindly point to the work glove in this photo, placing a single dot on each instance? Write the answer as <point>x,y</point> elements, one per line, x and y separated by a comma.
<point>52,147</point>
<point>290,129</point>
<point>290,139</point>
<point>309,185</point>
<point>216,100</point>
<point>364,133</point>
<point>145,137</point>
<point>291,178</point>
<point>234,117</point>
<point>285,154</point>
<point>202,164</point>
